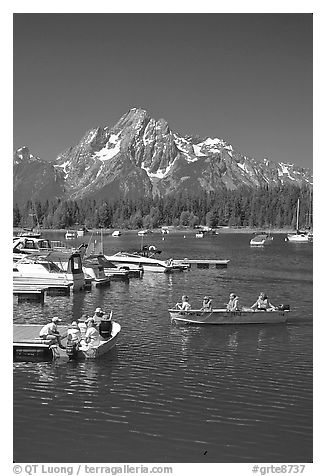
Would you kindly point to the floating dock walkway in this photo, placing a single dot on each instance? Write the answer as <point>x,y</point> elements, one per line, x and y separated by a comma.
<point>27,343</point>
<point>203,263</point>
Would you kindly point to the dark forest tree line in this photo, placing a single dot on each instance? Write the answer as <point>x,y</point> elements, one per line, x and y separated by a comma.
<point>244,207</point>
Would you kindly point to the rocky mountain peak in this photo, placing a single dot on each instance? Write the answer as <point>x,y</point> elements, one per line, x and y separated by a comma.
<point>142,156</point>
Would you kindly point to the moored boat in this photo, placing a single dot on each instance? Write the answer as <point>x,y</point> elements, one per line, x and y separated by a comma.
<point>137,261</point>
<point>71,234</point>
<point>300,236</point>
<point>41,270</point>
<point>261,239</point>
<point>222,316</point>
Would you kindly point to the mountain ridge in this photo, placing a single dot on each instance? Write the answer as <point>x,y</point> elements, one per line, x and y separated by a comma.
<point>140,156</point>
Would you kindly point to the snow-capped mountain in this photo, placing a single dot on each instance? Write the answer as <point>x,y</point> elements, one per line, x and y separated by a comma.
<point>141,156</point>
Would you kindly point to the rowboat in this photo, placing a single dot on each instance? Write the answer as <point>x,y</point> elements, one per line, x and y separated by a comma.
<point>222,316</point>
<point>27,344</point>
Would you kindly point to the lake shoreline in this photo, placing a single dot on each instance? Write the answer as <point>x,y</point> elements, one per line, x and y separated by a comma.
<point>172,230</point>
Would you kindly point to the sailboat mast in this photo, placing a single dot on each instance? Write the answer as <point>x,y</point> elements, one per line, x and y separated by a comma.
<point>298,207</point>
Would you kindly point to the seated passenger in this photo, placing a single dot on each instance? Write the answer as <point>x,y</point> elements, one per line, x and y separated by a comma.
<point>50,332</point>
<point>98,315</point>
<point>74,333</point>
<point>263,304</point>
<point>207,304</point>
<point>105,327</point>
<point>92,338</point>
<point>184,305</point>
<point>233,304</point>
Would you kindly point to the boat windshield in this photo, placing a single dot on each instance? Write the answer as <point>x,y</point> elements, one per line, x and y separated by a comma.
<point>51,267</point>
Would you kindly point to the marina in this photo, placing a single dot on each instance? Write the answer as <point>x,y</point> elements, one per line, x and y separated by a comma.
<point>164,376</point>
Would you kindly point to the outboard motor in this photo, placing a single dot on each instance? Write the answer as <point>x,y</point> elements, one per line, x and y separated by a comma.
<point>71,349</point>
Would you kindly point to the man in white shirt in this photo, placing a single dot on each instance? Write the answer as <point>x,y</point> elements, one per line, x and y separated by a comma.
<point>50,332</point>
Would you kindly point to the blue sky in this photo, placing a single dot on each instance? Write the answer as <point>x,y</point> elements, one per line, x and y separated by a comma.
<point>246,78</point>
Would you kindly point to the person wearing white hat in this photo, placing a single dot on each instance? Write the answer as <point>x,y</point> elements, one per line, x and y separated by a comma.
<point>73,332</point>
<point>99,313</point>
<point>50,332</point>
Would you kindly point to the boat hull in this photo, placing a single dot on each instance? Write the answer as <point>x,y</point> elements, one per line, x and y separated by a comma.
<point>299,238</point>
<point>221,316</point>
<point>104,347</point>
<point>27,345</point>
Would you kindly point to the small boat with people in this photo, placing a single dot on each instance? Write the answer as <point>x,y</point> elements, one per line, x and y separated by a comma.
<point>261,312</point>
<point>80,340</point>
<point>222,316</point>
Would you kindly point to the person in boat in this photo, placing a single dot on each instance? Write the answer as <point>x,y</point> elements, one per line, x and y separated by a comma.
<point>73,339</point>
<point>184,305</point>
<point>233,304</point>
<point>207,304</point>
<point>105,327</point>
<point>73,333</point>
<point>92,338</point>
<point>98,314</point>
<point>82,326</point>
<point>50,332</point>
<point>263,303</point>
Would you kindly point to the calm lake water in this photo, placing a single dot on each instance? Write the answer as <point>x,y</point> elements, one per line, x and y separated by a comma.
<point>178,394</point>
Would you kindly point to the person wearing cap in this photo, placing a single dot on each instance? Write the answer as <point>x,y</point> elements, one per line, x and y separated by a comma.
<point>50,332</point>
<point>99,313</point>
<point>207,304</point>
<point>184,305</point>
<point>233,304</point>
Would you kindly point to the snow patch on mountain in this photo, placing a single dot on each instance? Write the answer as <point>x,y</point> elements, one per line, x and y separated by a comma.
<point>107,153</point>
<point>160,173</point>
<point>197,151</point>
<point>63,167</point>
<point>242,166</point>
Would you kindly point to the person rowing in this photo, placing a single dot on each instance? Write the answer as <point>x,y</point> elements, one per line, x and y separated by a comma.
<point>184,305</point>
<point>263,303</point>
<point>207,304</point>
<point>233,304</point>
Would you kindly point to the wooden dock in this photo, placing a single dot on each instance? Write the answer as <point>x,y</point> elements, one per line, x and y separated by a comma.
<point>29,293</point>
<point>203,263</point>
<point>27,343</point>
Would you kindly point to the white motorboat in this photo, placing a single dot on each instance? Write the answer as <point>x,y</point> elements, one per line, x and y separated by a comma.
<point>116,233</point>
<point>222,316</point>
<point>42,271</point>
<point>261,240</point>
<point>137,261</point>
<point>96,272</point>
<point>71,234</point>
